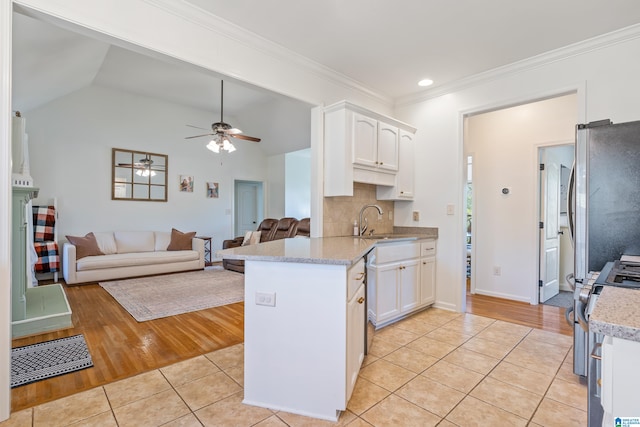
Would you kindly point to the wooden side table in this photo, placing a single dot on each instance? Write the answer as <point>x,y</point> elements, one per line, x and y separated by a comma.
<point>207,250</point>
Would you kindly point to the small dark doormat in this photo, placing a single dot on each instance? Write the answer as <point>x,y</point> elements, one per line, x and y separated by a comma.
<point>37,362</point>
<point>563,299</point>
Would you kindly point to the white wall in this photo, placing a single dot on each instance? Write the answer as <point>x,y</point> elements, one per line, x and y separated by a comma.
<point>70,146</point>
<point>505,146</point>
<point>606,80</point>
<point>298,184</point>
<point>276,187</point>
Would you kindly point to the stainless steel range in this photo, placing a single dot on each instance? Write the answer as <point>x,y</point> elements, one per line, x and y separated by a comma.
<point>604,219</point>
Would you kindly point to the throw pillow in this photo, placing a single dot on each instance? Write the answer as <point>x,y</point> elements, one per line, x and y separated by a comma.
<point>255,237</point>
<point>180,241</point>
<point>247,238</point>
<point>85,246</point>
<point>251,238</point>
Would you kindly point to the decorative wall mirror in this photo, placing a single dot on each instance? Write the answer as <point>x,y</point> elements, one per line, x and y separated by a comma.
<point>137,175</point>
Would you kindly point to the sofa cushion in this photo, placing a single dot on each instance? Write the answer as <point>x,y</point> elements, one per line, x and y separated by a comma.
<point>106,242</point>
<point>251,238</point>
<point>163,238</point>
<point>85,246</point>
<point>135,241</point>
<point>134,259</point>
<point>180,241</point>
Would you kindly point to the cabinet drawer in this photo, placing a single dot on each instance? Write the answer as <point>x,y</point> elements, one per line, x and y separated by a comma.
<point>355,278</point>
<point>390,252</point>
<point>428,248</point>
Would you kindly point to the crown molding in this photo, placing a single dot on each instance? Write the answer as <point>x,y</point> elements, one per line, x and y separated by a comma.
<point>216,24</point>
<point>579,48</point>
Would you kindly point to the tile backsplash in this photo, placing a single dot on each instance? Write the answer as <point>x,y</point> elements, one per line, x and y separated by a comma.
<point>341,211</point>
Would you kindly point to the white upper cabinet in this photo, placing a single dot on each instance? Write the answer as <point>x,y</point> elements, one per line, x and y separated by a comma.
<point>360,146</point>
<point>387,147</point>
<point>365,141</point>
<point>405,178</point>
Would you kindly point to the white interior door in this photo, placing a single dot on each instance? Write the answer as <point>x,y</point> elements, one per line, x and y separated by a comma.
<point>549,233</point>
<point>247,196</point>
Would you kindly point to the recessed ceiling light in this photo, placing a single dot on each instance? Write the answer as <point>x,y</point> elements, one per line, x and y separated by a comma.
<point>425,82</point>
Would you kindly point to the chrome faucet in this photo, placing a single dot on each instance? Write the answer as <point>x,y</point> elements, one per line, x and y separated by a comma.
<point>362,228</point>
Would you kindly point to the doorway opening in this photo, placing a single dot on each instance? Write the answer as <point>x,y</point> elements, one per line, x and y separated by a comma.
<point>248,206</point>
<point>469,223</point>
<point>555,260</point>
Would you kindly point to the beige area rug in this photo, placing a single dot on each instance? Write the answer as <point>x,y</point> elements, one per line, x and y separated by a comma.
<point>153,297</point>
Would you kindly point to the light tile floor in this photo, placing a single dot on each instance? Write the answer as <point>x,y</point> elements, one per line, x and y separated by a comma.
<point>435,368</point>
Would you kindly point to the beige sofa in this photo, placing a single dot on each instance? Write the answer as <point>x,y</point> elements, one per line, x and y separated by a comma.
<point>130,254</point>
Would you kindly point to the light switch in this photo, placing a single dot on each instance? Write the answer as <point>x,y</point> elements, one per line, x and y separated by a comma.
<point>450,209</point>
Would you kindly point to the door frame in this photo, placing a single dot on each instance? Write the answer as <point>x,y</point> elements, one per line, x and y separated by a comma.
<point>538,151</point>
<point>260,203</point>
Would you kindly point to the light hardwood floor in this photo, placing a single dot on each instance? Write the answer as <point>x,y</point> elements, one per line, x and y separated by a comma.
<point>121,347</point>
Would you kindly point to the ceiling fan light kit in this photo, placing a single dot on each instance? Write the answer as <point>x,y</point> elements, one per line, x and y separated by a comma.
<point>223,131</point>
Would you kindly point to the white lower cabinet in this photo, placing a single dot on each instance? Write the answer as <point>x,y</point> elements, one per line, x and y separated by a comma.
<point>355,338</point>
<point>400,280</point>
<point>620,377</point>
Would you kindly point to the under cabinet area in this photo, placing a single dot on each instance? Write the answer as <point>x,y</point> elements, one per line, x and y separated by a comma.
<point>400,280</point>
<point>363,146</point>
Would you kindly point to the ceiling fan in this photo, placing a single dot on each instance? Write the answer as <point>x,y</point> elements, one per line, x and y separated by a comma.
<point>144,166</point>
<point>223,131</point>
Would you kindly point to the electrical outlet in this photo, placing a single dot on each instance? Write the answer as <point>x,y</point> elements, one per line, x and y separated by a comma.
<point>266,298</point>
<point>416,215</point>
<point>390,215</point>
<point>497,271</point>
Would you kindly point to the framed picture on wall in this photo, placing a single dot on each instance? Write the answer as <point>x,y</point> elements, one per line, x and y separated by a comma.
<point>212,190</point>
<point>186,183</point>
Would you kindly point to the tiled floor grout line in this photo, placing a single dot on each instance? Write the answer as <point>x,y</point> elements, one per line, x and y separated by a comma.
<point>500,360</point>
<point>458,327</point>
<point>485,375</point>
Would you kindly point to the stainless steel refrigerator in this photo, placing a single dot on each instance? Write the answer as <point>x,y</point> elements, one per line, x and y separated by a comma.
<point>604,216</point>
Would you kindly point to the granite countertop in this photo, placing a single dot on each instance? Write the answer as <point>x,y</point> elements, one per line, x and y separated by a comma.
<point>617,313</point>
<point>317,250</point>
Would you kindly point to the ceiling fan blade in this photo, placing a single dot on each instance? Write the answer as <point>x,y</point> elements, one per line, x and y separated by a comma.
<point>198,136</point>
<point>196,127</point>
<point>245,137</point>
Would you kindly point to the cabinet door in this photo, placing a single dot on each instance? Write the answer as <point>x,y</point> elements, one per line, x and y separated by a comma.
<point>406,166</point>
<point>427,281</point>
<point>355,339</point>
<point>409,285</point>
<point>387,292</point>
<point>387,147</point>
<point>365,137</point>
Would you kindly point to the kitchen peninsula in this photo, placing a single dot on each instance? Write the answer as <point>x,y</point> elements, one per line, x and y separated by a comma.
<point>305,319</point>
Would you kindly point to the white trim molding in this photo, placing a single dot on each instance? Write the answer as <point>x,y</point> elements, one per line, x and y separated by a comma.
<point>5,213</point>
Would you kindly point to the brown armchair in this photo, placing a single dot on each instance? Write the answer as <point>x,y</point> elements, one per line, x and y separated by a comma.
<point>267,227</point>
<point>286,227</point>
<point>272,229</point>
<point>303,228</point>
